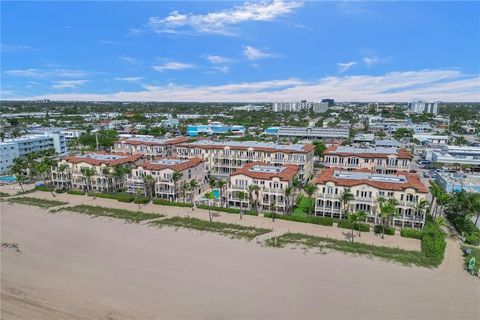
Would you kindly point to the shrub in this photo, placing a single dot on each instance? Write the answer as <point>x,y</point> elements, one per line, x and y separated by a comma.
<point>42,188</point>
<point>466,227</point>
<point>122,197</point>
<point>345,224</point>
<point>411,233</point>
<point>164,202</point>
<point>323,221</point>
<point>433,242</point>
<point>76,192</point>
<point>141,200</point>
<point>60,191</point>
<point>388,230</point>
<point>473,239</point>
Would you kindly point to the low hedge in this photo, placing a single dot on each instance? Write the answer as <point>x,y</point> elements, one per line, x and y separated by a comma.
<point>411,233</point>
<point>60,191</point>
<point>76,192</point>
<point>467,227</point>
<point>141,200</point>
<point>163,202</point>
<point>472,239</point>
<point>378,229</point>
<point>345,224</point>
<point>323,221</point>
<point>227,210</point>
<point>42,188</point>
<point>122,197</point>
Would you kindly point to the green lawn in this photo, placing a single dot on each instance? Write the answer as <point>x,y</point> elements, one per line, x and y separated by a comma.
<point>227,229</point>
<point>405,257</point>
<point>127,215</point>
<point>43,203</point>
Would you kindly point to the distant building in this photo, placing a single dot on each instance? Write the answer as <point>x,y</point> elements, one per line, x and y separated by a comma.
<point>317,107</point>
<point>426,138</point>
<point>310,133</point>
<point>152,148</point>
<point>376,159</point>
<point>456,182</point>
<point>387,143</point>
<point>10,149</point>
<point>214,128</point>
<point>364,138</point>
<point>457,155</point>
<point>424,107</point>
<point>331,102</point>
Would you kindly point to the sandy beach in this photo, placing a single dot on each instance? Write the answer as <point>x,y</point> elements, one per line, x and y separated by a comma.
<point>75,267</point>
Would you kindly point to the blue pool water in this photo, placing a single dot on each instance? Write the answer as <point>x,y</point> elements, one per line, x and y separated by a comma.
<point>8,179</point>
<point>216,194</point>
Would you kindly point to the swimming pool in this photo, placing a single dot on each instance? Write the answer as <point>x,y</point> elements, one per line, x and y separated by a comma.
<point>8,179</point>
<point>216,194</point>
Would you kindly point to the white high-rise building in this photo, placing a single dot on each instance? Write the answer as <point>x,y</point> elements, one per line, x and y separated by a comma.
<point>422,106</point>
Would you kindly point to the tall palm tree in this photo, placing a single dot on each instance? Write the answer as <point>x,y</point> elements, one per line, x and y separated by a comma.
<point>252,191</point>
<point>62,168</point>
<point>193,188</point>
<point>387,211</point>
<point>185,189</point>
<point>119,173</point>
<point>345,199</point>
<point>209,196</point>
<point>107,173</point>
<point>18,169</point>
<point>149,183</point>
<point>296,184</point>
<point>176,176</point>
<point>221,184</point>
<point>241,196</point>
<point>361,216</point>
<point>87,174</point>
<point>43,168</point>
<point>288,194</point>
<point>435,189</point>
<point>352,220</point>
<point>443,199</point>
<point>473,204</point>
<point>309,190</point>
<point>273,204</point>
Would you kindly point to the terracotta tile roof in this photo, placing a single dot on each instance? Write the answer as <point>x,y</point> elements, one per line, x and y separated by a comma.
<point>125,158</point>
<point>140,142</point>
<point>186,164</point>
<point>285,175</point>
<point>401,154</point>
<point>412,180</point>
<point>306,148</point>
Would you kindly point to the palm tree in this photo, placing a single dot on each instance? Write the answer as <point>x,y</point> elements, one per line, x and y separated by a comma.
<point>221,185</point>
<point>345,199</point>
<point>361,216</point>
<point>352,220</point>
<point>421,207</point>
<point>43,168</point>
<point>118,174</point>
<point>18,169</point>
<point>193,188</point>
<point>241,196</point>
<point>62,168</point>
<point>273,203</point>
<point>252,190</point>
<point>387,211</point>
<point>87,175</point>
<point>107,173</point>
<point>309,190</point>
<point>288,194</point>
<point>296,184</point>
<point>473,204</point>
<point>139,194</point>
<point>435,189</point>
<point>443,199</point>
<point>176,176</point>
<point>185,189</point>
<point>149,183</point>
<point>209,196</point>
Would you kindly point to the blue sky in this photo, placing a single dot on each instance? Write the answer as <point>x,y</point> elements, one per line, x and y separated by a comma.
<point>275,50</point>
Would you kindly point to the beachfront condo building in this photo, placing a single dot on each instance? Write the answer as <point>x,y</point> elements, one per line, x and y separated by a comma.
<point>367,188</point>
<point>109,172</point>
<point>165,183</point>
<point>152,148</point>
<point>272,182</point>
<point>378,159</point>
<point>225,157</point>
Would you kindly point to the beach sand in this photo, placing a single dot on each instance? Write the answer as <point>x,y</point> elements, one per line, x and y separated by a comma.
<point>74,267</point>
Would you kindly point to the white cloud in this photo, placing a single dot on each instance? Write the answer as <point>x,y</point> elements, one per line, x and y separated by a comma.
<point>344,66</point>
<point>444,85</point>
<point>255,54</point>
<point>134,31</point>
<point>129,78</point>
<point>36,73</point>
<point>371,60</point>
<point>15,48</point>
<point>214,59</point>
<point>128,59</point>
<point>218,22</point>
<point>222,69</point>
<point>173,66</point>
<point>68,84</point>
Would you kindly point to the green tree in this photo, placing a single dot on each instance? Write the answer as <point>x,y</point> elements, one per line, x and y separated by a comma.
<point>87,174</point>
<point>176,176</point>
<point>149,183</point>
<point>345,199</point>
<point>309,190</point>
<point>352,220</point>
<point>209,196</point>
<point>253,194</point>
